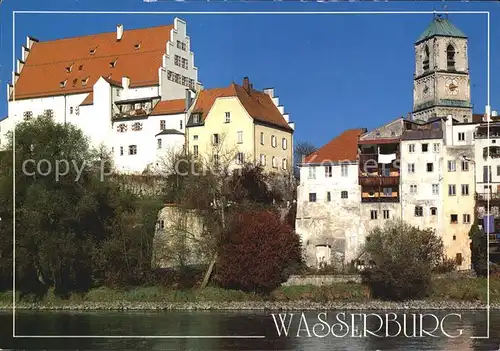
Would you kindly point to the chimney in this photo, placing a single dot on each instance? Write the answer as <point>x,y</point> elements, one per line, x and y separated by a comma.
<point>119,32</point>
<point>125,82</point>
<point>246,84</point>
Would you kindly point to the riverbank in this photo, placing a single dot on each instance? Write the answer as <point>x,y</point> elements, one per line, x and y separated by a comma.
<point>450,294</point>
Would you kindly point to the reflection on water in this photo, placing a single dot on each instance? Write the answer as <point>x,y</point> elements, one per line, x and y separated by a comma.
<point>182,323</point>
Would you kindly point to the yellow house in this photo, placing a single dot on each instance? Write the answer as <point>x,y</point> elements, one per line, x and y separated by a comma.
<point>239,124</point>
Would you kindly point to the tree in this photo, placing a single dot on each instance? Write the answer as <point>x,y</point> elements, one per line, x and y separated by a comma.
<point>404,258</point>
<point>258,253</point>
<point>301,150</point>
<point>479,247</point>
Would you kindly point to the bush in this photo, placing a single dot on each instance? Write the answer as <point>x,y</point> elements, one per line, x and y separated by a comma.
<point>446,266</point>
<point>404,257</point>
<point>259,254</point>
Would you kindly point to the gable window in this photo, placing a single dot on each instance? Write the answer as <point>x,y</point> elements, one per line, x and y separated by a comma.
<point>273,141</point>
<point>433,211</point>
<point>373,214</point>
<point>177,60</point>
<point>465,189</point>
<point>343,170</point>
<point>425,147</point>
<point>328,171</point>
<point>312,197</point>
<point>465,166</point>
<point>240,137</point>
<point>430,167</point>
<point>436,147</point>
<point>452,191</point>
<point>328,196</point>
<point>196,118</point>
<point>419,211</point>
<point>261,138</point>
<point>411,168</point>
<point>132,150</point>
<point>215,139</point>
<point>312,173</point>
<point>386,214</point>
<point>240,158</point>
<point>461,136</point>
<point>454,218</point>
<point>262,159</point>
<point>344,194</point>
<point>284,144</point>
<point>228,117</point>
<point>411,148</point>
<point>158,143</point>
<point>452,166</point>
<point>450,55</point>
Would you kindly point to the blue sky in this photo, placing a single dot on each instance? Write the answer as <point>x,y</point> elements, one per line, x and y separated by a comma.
<point>331,72</point>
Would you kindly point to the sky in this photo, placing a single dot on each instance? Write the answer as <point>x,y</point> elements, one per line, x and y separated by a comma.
<point>331,72</point>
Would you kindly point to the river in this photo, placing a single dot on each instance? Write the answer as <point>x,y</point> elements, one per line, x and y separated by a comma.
<point>251,330</point>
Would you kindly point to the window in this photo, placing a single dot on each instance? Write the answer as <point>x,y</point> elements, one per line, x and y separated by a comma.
<point>343,170</point>
<point>373,214</point>
<point>27,115</point>
<point>434,211</point>
<point>344,194</point>
<point>261,138</point>
<point>461,136</point>
<point>77,110</point>
<point>466,218</point>
<point>158,143</point>
<point>137,126</point>
<point>452,166</point>
<point>435,189</point>
<point>85,81</point>
<point>425,147</point>
<point>228,117</point>
<point>498,170</point>
<point>63,83</point>
<point>386,214</point>
<point>177,60</point>
<point>419,211</point>
<point>413,189</point>
<point>195,150</point>
<point>180,124</point>
<point>454,218</point>
<point>215,159</point>
<point>386,172</point>
<point>454,237</point>
<point>425,62</point>
<point>121,128</point>
<point>411,168</point>
<point>132,150</point>
<point>328,196</point>
<point>430,167</point>
<point>450,54</point>
<point>215,139</point>
<point>312,173</point>
<point>284,164</point>
<point>195,137</point>
<point>387,191</point>
<point>458,259</point>
<point>436,147</point>
<point>328,171</point>
<point>162,125</point>
<point>239,158</point>
<point>69,69</point>
<point>411,148</point>
<point>49,113</point>
<point>486,174</point>
<point>240,137</point>
<point>465,166</point>
<point>452,191</point>
<point>465,189</point>
<point>284,143</point>
<point>275,163</point>
<point>262,159</point>
<point>312,197</point>
<point>112,64</point>
<point>137,46</point>
<point>184,63</point>
<point>71,110</point>
<point>121,150</point>
<point>273,141</point>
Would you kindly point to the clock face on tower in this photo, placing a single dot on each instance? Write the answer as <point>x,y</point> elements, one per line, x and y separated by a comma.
<point>451,86</point>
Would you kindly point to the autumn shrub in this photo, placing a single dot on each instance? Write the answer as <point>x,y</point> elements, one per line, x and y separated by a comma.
<point>258,254</point>
<point>405,257</point>
<point>446,266</point>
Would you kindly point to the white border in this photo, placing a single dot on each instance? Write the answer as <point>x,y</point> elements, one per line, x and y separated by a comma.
<point>223,13</point>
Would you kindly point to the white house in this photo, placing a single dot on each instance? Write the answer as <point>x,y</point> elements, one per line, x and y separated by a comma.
<point>127,90</point>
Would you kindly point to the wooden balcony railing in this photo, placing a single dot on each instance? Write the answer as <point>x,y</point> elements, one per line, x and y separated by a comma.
<point>380,199</point>
<point>376,181</point>
<point>487,196</point>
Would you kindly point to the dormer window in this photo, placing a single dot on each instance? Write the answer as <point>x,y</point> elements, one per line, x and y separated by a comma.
<point>80,67</point>
<point>85,81</point>
<point>196,118</point>
<point>69,69</point>
<point>63,83</point>
<point>137,46</point>
<point>92,51</point>
<point>112,64</point>
<point>75,81</point>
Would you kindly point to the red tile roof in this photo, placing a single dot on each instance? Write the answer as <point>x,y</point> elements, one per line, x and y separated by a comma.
<point>169,107</point>
<point>89,100</point>
<point>258,104</point>
<point>342,148</point>
<point>47,62</point>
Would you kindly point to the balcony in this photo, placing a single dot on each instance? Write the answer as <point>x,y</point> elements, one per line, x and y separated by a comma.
<point>487,196</point>
<point>378,181</point>
<point>373,199</point>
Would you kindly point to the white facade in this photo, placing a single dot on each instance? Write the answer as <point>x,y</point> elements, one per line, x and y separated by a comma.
<point>97,113</point>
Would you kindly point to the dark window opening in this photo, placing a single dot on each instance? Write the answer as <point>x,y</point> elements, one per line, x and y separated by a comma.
<point>450,54</point>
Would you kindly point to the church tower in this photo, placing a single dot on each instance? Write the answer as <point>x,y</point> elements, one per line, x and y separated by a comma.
<point>441,84</point>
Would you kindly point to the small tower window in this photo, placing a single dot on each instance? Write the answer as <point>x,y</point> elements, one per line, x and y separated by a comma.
<point>450,54</point>
<point>425,62</point>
